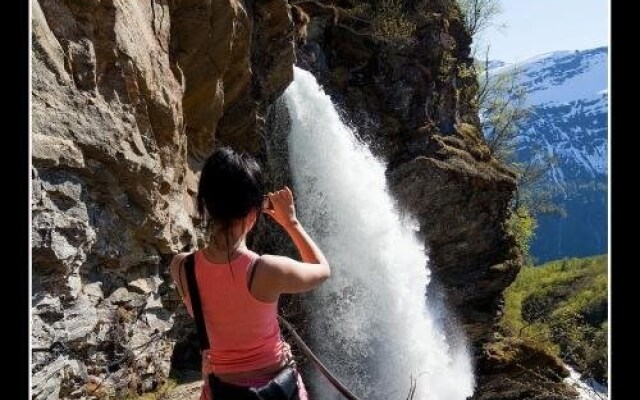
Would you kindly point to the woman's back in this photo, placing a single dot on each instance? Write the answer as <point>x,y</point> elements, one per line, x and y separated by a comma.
<point>243,332</point>
<point>245,346</point>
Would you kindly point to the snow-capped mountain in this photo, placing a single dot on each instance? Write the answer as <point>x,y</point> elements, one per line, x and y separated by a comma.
<point>567,97</point>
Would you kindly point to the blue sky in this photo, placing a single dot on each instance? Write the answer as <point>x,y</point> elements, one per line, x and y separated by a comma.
<point>539,26</point>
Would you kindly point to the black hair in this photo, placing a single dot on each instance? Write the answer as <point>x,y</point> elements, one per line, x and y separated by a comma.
<point>230,186</point>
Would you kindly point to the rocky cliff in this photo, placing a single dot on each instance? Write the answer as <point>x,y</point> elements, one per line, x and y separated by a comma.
<point>128,97</point>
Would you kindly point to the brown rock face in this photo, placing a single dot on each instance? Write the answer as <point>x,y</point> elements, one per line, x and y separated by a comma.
<point>513,369</point>
<point>461,207</point>
<point>128,97</point>
<point>246,66</point>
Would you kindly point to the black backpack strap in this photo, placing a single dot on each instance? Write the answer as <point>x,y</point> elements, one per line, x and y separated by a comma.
<point>196,304</point>
<point>252,274</point>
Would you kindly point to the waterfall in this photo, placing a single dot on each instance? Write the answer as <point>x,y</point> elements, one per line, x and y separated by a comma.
<point>370,321</point>
<point>588,389</point>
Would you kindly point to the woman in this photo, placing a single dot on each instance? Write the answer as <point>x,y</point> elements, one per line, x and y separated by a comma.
<point>238,288</point>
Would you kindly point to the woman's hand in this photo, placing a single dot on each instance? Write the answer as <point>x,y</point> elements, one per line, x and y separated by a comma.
<point>279,205</point>
<point>286,274</point>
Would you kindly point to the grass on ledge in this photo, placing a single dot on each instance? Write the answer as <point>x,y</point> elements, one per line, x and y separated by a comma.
<point>562,307</point>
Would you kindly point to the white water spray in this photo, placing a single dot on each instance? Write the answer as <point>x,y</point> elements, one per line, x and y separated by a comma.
<point>370,321</point>
<point>587,389</point>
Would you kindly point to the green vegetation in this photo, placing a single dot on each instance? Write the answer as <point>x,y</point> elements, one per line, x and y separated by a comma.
<point>390,21</point>
<point>479,14</point>
<point>394,20</point>
<point>522,226</point>
<point>562,307</point>
<point>502,102</point>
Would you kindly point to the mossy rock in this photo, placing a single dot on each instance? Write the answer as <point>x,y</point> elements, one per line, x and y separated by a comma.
<point>521,354</point>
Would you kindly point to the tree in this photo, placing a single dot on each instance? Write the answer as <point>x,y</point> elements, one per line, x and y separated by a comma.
<point>502,105</point>
<point>479,14</point>
<point>533,193</point>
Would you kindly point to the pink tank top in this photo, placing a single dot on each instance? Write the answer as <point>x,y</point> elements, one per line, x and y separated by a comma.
<point>243,332</point>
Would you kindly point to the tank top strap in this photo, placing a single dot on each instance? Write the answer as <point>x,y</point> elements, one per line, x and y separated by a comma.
<point>252,270</point>
<point>241,268</point>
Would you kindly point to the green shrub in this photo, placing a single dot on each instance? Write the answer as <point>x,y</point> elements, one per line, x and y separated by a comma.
<point>522,225</point>
<point>563,306</point>
<point>390,21</point>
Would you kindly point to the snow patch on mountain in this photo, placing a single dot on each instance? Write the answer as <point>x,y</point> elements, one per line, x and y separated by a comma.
<point>562,76</point>
<point>567,96</point>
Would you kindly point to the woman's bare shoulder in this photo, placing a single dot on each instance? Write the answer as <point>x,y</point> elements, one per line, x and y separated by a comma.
<point>275,262</point>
